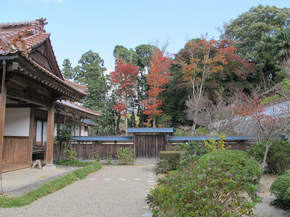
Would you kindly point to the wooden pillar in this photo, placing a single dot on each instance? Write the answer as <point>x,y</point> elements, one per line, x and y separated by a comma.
<point>2,121</point>
<point>2,112</point>
<point>50,134</point>
<point>32,134</point>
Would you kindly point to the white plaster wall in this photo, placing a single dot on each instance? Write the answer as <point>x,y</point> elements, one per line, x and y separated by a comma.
<point>17,122</point>
<point>82,130</point>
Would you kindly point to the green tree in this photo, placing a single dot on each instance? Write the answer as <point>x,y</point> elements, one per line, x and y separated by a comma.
<point>282,49</point>
<point>67,70</point>
<point>174,98</point>
<point>252,31</point>
<point>122,53</point>
<point>144,52</point>
<point>91,72</point>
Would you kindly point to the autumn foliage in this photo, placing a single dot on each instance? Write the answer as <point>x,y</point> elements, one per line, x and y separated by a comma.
<point>124,78</point>
<point>265,123</point>
<point>157,79</point>
<point>207,63</point>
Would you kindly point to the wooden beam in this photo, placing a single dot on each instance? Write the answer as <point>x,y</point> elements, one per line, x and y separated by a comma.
<point>30,70</point>
<point>29,97</point>
<point>31,84</point>
<point>50,134</point>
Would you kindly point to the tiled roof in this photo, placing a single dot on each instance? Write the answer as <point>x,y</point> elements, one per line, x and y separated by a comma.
<point>77,86</point>
<point>23,37</point>
<point>79,108</point>
<point>150,130</point>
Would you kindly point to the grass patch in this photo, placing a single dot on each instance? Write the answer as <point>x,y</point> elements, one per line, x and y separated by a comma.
<point>48,188</point>
<point>73,163</point>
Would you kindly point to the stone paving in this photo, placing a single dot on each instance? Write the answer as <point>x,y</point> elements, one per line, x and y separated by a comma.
<point>109,192</point>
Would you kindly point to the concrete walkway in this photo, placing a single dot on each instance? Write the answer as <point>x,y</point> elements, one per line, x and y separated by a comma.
<point>22,181</point>
<point>110,192</point>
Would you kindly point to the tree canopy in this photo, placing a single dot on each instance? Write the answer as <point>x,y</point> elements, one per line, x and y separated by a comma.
<point>252,31</point>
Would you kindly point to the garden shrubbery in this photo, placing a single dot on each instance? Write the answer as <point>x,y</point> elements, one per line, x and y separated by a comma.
<point>238,160</point>
<point>126,156</point>
<point>281,189</point>
<point>172,158</point>
<point>73,163</point>
<point>278,158</point>
<point>210,187</point>
<point>194,148</point>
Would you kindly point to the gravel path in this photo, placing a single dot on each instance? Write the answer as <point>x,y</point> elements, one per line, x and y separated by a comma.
<point>115,191</point>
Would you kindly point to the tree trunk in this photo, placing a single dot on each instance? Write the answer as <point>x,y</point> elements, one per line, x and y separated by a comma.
<point>153,121</point>
<point>194,124</point>
<point>126,124</point>
<point>265,157</point>
<point>118,125</point>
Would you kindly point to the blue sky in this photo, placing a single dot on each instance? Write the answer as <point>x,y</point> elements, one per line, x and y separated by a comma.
<point>77,26</point>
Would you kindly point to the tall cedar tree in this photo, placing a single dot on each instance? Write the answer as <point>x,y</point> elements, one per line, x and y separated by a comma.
<point>157,79</point>
<point>125,79</point>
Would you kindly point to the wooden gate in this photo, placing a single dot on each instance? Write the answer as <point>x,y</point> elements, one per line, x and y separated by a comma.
<point>149,146</point>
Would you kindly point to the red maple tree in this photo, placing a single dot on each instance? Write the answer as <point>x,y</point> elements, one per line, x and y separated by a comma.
<point>266,123</point>
<point>157,79</point>
<point>125,80</point>
<point>205,64</point>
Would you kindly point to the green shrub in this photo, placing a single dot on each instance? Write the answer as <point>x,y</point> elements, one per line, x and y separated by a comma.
<point>213,145</point>
<point>48,188</point>
<point>73,163</point>
<point>280,185</point>
<point>173,158</point>
<point>287,194</point>
<point>194,148</point>
<point>278,158</point>
<point>71,154</point>
<point>207,188</point>
<point>281,189</point>
<point>238,160</point>
<point>94,156</point>
<point>162,167</point>
<point>181,147</point>
<point>126,156</point>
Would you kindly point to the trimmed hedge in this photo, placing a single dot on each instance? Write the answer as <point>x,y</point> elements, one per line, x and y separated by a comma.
<point>172,157</point>
<point>238,160</point>
<point>209,188</point>
<point>48,188</point>
<point>73,163</point>
<point>281,189</point>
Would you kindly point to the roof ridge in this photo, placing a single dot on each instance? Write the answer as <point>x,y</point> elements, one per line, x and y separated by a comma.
<point>40,21</point>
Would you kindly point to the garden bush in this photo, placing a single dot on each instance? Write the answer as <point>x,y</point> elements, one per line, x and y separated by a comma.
<point>281,189</point>
<point>278,158</point>
<point>213,145</point>
<point>207,188</point>
<point>73,163</point>
<point>238,160</point>
<point>126,156</point>
<point>194,148</point>
<point>172,158</point>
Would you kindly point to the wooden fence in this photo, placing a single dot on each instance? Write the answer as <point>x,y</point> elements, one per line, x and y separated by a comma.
<point>148,150</point>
